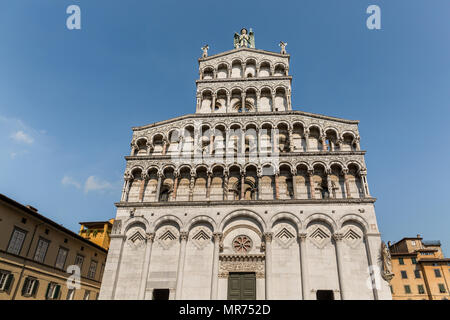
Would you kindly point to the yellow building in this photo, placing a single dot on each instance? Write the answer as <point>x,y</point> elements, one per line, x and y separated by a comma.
<point>97,231</point>
<point>420,270</point>
<point>35,253</point>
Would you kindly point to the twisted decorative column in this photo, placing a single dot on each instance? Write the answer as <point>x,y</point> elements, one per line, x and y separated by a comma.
<point>294,183</point>
<point>306,135</point>
<point>144,276</point>
<point>215,272</point>
<point>277,186</point>
<point>330,185</point>
<point>268,258</point>
<point>175,186</point>
<point>208,185</point>
<point>323,140</point>
<point>243,102</point>
<point>242,186</point>
<point>347,184</point>
<point>365,185</point>
<point>304,266</point>
<point>181,258</point>
<point>158,186</point>
<point>145,177</point>
<point>291,144</point>
<point>126,186</point>
<point>311,184</point>
<point>225,185</point>
<point>191,186</point>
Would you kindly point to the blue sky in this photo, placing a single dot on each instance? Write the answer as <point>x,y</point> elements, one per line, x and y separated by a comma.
<point>68,99</point>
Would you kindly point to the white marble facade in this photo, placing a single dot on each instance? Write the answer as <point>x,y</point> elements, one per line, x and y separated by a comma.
<point>263,189</point>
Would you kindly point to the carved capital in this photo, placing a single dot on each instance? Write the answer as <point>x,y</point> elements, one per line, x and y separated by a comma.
<point>338,236</point>
<point>217,236</point>
<point>183,236</point>
<point>268,236</point>
<point>150,236</point>
<point>302,236</point>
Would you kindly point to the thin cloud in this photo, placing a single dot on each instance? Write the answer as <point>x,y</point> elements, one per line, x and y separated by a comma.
<point>94,183</point>
<point>21,136</point>
<point>68,181</point>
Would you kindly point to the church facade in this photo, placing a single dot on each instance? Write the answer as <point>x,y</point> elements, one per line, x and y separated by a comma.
<point>247,198</point>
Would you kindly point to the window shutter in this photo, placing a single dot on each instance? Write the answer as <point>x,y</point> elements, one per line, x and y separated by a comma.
<point>36,286</point>
<point>56,292</point>
<point>48,289</point>
<point>9,279</point>
<point>25,285</point>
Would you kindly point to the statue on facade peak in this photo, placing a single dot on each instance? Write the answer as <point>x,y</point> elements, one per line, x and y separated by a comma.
<point>387,273</point>
<point>245,39</point>
<point>205,49</point>
<point>283,47</point>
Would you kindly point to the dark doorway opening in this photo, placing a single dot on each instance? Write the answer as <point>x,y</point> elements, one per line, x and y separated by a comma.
<point>325,295</point>
<point>161,294</point>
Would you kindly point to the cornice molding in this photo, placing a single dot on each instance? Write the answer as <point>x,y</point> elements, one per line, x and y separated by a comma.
<point>244,202</point>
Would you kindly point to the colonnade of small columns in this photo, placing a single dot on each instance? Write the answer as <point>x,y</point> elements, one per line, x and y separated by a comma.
<point>245,95</point>
<point>236,140</point>
<point>248,68</point>
<point>247,183</point>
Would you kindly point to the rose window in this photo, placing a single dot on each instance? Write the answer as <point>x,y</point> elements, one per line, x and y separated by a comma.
<point>242,244</point>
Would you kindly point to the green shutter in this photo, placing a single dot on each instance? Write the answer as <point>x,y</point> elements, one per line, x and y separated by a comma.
<point>48,289</point>
<point>9,279</point>
<point>25,285</point>
<point>56,292</point>
<point>36,286</point>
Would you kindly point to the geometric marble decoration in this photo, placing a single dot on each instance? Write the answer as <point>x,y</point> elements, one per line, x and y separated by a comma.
<point>137,239</point>
<point>167,239</point>
<point>284,237</point>
<point>319,238</point>
<point>352,238</point>
<point>201,238</point>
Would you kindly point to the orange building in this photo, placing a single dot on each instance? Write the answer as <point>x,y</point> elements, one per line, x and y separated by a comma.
<point>421,272</point>
<point>97,231</point>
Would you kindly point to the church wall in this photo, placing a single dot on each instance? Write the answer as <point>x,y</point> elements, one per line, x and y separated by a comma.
<point>198,265</point>
<point>286,278</point>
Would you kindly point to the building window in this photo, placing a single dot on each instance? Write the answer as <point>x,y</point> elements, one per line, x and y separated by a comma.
<point>92,269</point>
<point>441,288</point>
<point>420,289</point>
<point>87,295</point>
<point>413,243</point>
<point>79,259</point>
<point>404,275</point>
<point>30,286</point>
<point>70,294</point>
<point>417,274</point>
<point>6,278</point>
<point>414,260</point>
<point>407,289</point>
<point>41,250</point>
<point>437,273</point>
<point>61,258</point>
<point>401,261</point>
<point>53,290</point>
<point>16,241</point>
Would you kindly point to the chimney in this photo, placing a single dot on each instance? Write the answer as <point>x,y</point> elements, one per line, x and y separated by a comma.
<point>389,243</point>
<point>418,236</point>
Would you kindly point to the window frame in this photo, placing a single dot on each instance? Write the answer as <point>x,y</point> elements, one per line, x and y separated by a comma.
<point>401,261</point>
<point>37,248</point>
<point>87,295</point>
<point>25,232</point>
<point>437,273</point>
<point>404,274</point>
<point>95,270</point>
<point>53,291</point>
<point>417,274</point>
<point>407,288</point>
<point>6,276</point>
<point>420,289</point>
<point>61,248</point>
<point>30,286</point>
<point>82,260</point>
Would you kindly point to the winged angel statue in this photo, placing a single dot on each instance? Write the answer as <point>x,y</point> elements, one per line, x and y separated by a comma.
<point>245,39</point>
